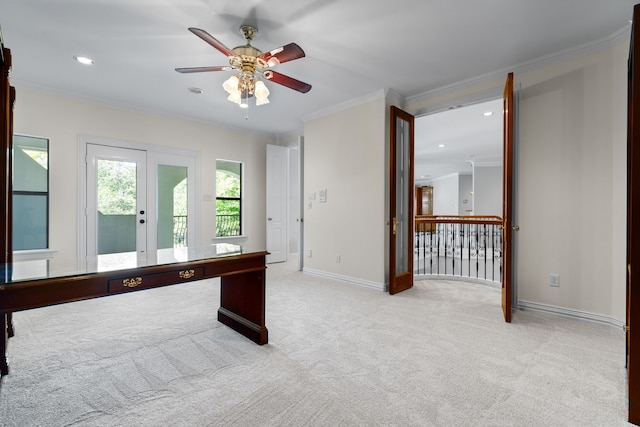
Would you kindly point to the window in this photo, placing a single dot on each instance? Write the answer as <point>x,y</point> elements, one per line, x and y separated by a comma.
<point>30,193</point>
<point>228,198</point>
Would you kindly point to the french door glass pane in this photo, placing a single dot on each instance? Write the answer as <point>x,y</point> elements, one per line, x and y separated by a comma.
<point>116,199</point>
<point>403,180</point>
<point>172,206</point>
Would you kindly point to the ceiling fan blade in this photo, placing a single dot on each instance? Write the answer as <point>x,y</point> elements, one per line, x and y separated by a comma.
<point>283,54</point>
<point>290,82</point>
<point>212,41</point>
<point>204,69</point>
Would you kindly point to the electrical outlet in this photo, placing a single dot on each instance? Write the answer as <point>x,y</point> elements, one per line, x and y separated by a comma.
<point>338,258</point>
<point>309,253</point>
<point>554,280</point>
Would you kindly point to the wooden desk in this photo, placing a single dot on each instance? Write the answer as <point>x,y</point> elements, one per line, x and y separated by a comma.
<point>33,284</point>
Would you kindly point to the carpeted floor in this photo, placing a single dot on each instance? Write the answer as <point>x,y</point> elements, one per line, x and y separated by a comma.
<point>338,355</point>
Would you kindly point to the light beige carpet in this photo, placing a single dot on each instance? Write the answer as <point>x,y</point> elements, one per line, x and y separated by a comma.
<point>338,354</point>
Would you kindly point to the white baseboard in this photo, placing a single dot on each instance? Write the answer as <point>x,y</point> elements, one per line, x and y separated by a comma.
<point>569,312</point>
<point>349,279</point>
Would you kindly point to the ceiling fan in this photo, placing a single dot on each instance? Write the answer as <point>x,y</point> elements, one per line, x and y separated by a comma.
<point>251,62</point>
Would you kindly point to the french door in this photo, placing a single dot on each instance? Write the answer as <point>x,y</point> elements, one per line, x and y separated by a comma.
<point>116,200</point>
<point>401,201</point>
<point>137,200</point>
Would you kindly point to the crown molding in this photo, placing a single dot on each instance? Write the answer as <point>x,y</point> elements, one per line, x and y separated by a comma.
<point>492,91</point>
<point>373,96</point>
<point>394,98</point>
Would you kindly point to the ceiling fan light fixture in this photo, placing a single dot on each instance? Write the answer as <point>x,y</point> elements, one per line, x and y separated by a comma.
<point>231,85</point>
<point>234,97</point>
<point>261,92</point>
<point>249,63</point>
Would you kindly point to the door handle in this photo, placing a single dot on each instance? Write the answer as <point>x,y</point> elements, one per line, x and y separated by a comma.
<point>395,225</point>
<point>142,221</point>
<point>269,219</point>
<point>516,228</point>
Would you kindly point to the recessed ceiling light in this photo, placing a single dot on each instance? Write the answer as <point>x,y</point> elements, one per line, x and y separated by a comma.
<point>195,90</point>
<point>441,146</point>
<point>83,60</point>
<point>488,113</point>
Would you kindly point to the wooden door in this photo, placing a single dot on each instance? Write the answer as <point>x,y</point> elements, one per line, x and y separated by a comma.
<point>401,201</point>
<point>633,223</point>
<point>507,199</point>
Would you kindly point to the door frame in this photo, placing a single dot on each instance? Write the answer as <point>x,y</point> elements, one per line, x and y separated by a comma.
<point>84,140</point>
<point>633,221</point>
<point>490,95</point>
<point>507,197</point>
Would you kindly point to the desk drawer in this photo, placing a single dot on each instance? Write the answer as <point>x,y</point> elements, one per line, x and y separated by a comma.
<point>144,281</point>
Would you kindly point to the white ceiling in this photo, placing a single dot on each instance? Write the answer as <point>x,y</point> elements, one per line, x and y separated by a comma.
<point>453,140</point>
<point>354,48</point>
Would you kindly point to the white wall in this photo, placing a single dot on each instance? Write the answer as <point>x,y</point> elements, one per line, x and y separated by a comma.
<point>619,181</point>
<point>62,118</point>
<point>566,177</point>
<point>465,196</point>
<point>345,154</point>
<point>446,192</point>
<point>487,190</point>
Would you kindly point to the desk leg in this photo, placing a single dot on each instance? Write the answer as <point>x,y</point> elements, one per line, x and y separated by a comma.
<point>10,332</point>
<point>242,304</point>
<point>4,337</point>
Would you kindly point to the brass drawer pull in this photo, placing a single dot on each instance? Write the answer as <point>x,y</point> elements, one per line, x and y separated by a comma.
<point>187,274</point>
<point>132,283</point>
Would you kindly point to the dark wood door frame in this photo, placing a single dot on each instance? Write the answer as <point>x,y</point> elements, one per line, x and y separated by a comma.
<point>400,281</point>
<point>507,199</point>
<point>633,223</point>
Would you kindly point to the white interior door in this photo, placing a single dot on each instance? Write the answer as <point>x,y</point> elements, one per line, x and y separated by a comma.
<point>276,192</point>
<point>116,200</point>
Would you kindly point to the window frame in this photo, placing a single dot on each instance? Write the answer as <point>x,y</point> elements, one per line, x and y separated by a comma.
<point>46,194</point>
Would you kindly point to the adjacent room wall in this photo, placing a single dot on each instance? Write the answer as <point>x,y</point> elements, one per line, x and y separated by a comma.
<point>446,195</point>
<point>465,195</point>
<point>62,118</point>
<point>487,190</point>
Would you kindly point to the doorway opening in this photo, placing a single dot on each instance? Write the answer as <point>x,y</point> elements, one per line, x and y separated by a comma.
<point>459,175</point>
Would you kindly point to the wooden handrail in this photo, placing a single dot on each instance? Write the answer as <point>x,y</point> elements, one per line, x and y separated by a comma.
<point>457,219</point>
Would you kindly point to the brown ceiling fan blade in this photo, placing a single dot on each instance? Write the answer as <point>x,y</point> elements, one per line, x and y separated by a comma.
<point>212,41</point>
<point>290,82</point>
<point>203,69</point>
<point>283,54</point>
